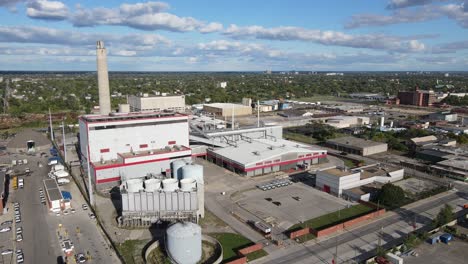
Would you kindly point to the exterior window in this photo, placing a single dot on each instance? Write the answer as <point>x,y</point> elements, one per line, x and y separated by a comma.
<point>171,142</point>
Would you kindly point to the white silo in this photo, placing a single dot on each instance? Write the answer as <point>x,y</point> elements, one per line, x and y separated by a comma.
<point>175,168</point>
<point>184,242</point>
<point>152,185</point>
<point>134,185</point>
<point>188,185</point>
<point>193,171</point>
<point>170,185</point>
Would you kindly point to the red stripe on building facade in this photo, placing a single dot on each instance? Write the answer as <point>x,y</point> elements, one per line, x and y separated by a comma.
<point>108,180</point>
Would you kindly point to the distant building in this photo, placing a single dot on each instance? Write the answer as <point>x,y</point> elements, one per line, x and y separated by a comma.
<point>347,121</point>
<point>221,85</point>
<point>247,101</point>
<point>156,103</point>
<point>445,116</point>
<point>447,161</point>
<point>340,181</point>
<point>357,146</point>
<point>227,109</point>
<point>417,97</point>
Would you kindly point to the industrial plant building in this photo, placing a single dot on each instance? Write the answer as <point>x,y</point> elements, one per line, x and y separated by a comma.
<point>357,146</point>
<point>444,116</point>
<point>340,181</point>
<point>227,109</point>
<point>156,103</point>
<point>177,197</point>
<point>132,145</point>
<point>257,150</point>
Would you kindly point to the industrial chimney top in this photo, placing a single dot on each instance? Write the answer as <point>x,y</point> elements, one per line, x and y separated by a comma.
<point>100,44</point>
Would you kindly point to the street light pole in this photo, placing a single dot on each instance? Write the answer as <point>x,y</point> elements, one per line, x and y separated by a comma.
<point>64,144</point>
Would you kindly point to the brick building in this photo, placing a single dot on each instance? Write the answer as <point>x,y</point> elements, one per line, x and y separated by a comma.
<point>417,97</point>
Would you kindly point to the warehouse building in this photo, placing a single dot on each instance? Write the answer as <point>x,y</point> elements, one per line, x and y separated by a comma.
<point>347,121</point>
<point>254,157</point>
<point>131,145</point>
<point>156,103</point>
<point>227,109</point>
<point>341,180</point>
<point>357,146</point>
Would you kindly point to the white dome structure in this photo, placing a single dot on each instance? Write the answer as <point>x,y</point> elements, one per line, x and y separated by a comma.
<point>170,185</point>
<point>184,242</point>
<point>152,185</point>
<point>188,185</point>
<point>134,185</point>
<point>193,171</point>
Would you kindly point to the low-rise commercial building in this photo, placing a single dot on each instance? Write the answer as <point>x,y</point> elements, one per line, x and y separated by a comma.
<point>157,103</point>
<point>357,146</point>
<point>227,109</point>
<point>347,121</point>
<point>444,116</point>
<point>336,180</point>
<point>55,200</point>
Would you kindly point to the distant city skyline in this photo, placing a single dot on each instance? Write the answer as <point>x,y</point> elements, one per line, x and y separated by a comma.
<point>335,35</point>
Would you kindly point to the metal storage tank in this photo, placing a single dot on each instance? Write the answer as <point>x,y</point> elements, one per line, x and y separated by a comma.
<point>188,185</point>
<point>175,168</point>
<point>184,242</point>
<point>170,185</point>
<point>134,185</point>
<point>193,171</point>
<point>152,185</point>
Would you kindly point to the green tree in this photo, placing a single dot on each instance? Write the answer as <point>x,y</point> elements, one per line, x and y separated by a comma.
<point>391,195</point>
<point>444,216</point>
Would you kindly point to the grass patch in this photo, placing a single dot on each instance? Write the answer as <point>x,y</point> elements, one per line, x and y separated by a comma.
<point>305,238</point>
<point>331,219</point>
<point>132,250</point>
<point>349,163</point>
<point>157,256</point>
<point>299,137</point>
<point>256,255</point>
<point>231,243</point>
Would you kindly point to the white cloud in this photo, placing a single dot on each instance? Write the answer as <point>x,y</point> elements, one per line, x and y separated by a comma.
<point>331,38</point>
<point>144,16</point>
<point>397,17</point>
<point>10,4</point>
<point>48,10</point>
<point>395,4</point>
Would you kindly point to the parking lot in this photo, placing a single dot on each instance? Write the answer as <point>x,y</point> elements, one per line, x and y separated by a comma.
<point>454,252</point>
<point>290,204</point>
<point>43,231</point>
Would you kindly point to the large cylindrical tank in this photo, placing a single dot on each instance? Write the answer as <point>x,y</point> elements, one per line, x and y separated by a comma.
<point>184,242</point>
<point>193,171</point>
<point>152,185</point>
<point>170,185</point>
<point>188,185</point>
<point>175,168</point>
<point>134,185</point>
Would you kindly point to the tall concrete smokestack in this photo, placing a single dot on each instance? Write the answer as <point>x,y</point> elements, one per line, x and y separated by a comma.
<point>103,79</point>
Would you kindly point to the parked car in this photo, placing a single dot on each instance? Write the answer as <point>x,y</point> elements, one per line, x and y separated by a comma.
<point>80,258</point>
<point>7,252</point>
<point>19,237</point>
<point>84,206</point>
<point>92,216</point>
<point>9,222</point>
<point>5,229</point>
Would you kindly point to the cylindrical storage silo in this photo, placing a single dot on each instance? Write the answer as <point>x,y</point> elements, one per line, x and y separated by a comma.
<point>170,185</point>
<point>175,168</point>
<point>152,185</point>
<point>134,185</point>
<point>188,185</point>
<point>193,171</point>
<point>184,242</point>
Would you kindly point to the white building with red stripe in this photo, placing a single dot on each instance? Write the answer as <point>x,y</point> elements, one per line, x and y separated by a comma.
<point>132,145</point>
<point>257,156</point>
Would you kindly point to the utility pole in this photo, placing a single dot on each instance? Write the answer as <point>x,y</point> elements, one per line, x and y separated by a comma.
<point>64,144</point>
<point>51,128</point>
<point>258,113</point>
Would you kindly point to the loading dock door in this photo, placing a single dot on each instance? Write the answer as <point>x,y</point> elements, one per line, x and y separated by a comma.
<point>326,188</point>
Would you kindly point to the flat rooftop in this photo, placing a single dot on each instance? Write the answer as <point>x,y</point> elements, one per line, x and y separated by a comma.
<point>458,163</point>
<point>52,190</point>
<point>339,172</point>
<point>257,150</point>
<point>365,172</point>
<point>225,105</point>
<point>355,142</point>
<point>129,116</point>
<point>153,151</point>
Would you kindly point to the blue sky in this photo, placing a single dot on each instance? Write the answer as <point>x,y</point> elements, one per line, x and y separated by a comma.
<point>240,35</point>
